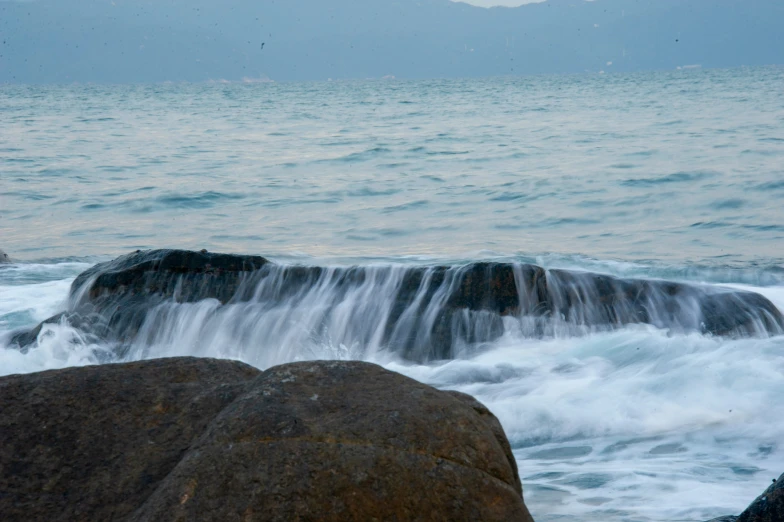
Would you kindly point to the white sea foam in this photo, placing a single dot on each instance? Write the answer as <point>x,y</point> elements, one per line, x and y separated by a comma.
<point>30,293</point>
<point>635,421</point>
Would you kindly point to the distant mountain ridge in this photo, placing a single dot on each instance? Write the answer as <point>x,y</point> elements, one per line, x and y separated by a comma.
<point>61,41</point>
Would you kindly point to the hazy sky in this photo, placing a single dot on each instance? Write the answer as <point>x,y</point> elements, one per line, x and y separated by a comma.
<point>132,41</point>
<point>506,3</point>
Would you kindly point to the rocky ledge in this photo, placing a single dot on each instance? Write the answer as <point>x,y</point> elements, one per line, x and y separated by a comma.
<point>768,507</point>
<point>429,310</point>
<point>204,439</point>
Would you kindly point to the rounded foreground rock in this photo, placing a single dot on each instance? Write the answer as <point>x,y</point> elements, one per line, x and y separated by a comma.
<point>200,439</point>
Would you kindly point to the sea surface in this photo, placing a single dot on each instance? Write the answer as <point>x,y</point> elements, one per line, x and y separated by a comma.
<point>664,175</point>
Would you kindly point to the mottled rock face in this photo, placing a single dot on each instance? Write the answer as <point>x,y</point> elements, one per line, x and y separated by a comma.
<point>768,507</point>
<point>93,443</point>
<point>195,439</point>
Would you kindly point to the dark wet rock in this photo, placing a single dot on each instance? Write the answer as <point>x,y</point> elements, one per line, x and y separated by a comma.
<point>4,257</point>
<point>201,439</point>
<point>596,299</point>
<point>110,301</point>
<point>26,338</point>
<point>432,311</point>
<point>768,507</point>
<point>184,275</point>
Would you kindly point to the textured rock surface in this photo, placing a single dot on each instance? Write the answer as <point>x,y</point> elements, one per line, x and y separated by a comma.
<point>93,443</point>
<point>440,306</point>
<point>200,439</point>
<point>768,507</point>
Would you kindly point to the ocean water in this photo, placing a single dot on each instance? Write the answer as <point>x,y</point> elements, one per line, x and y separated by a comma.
<point>667,175</point>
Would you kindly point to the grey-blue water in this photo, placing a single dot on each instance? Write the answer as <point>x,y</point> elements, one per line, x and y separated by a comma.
<point>676,175</point>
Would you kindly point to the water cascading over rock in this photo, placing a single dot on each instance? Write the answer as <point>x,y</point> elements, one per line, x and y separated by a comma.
<point>420,313</point>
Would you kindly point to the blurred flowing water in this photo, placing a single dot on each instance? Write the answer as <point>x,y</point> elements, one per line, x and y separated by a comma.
<point>668,175</point>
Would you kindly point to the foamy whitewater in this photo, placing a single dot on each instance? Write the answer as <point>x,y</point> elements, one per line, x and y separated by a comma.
<point>674,176</point>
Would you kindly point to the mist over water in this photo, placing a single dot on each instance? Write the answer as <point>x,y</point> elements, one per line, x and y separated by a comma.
<point>631,176</point>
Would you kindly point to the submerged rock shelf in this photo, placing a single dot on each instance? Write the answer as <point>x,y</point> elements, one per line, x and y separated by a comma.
<point>420,313</point>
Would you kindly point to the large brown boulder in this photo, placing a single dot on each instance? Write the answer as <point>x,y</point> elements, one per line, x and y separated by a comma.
<point>201,439</point>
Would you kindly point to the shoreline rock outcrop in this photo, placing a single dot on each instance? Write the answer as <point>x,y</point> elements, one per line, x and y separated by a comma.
<point>430,310</point>
<point>204,439</point>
